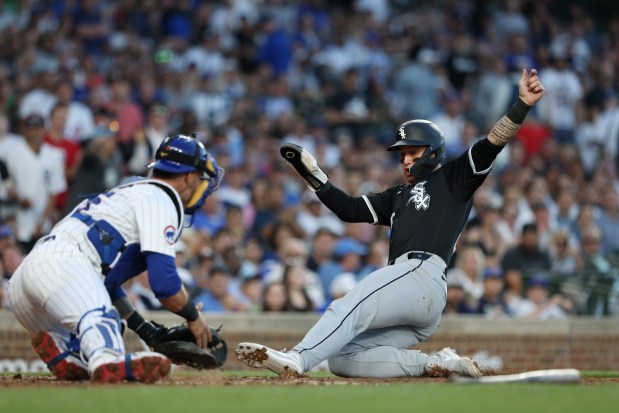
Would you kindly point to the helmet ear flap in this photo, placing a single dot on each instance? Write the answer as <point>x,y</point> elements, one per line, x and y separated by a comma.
<point>426,163</point>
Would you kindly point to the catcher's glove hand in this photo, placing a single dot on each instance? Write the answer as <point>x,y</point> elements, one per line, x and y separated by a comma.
<point>179,345</point>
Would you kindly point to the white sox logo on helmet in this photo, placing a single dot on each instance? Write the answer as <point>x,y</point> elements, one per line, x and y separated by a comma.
<point>401,132</point>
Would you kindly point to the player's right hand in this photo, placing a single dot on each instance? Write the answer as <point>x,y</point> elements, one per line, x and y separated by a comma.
<point>199,329</point>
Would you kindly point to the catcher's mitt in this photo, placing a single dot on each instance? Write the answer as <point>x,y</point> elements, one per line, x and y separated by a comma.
<point>179,345</point>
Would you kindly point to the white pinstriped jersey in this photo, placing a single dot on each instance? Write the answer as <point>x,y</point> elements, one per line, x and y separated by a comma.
<point>142,212</point>
<point>61,279</point>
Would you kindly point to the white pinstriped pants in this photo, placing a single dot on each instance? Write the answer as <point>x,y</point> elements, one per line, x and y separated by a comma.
<point>54,286</point>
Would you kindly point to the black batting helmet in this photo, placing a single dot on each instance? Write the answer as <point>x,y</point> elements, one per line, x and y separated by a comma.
<point>419,132</point>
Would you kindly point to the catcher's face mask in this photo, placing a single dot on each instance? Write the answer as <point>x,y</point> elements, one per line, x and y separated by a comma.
<point>181,154</point>
<point>209,182</point>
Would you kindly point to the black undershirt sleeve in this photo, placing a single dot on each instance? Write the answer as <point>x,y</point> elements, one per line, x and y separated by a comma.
<point>347,208</point>
<point>467,172</point>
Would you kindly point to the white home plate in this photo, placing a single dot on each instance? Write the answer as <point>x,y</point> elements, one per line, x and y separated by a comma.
<point>536,376</point>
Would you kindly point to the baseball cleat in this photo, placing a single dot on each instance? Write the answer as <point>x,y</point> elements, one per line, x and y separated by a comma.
<point>262,357</point>
<point>446,362</point>
<point>145,367</point>
<point>63,364</point>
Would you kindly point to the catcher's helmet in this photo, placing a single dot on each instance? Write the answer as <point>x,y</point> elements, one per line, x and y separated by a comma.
<point>181,154</point>
<point>418,132</point>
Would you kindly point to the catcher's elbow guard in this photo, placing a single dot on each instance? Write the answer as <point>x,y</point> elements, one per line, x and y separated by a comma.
<point>305,164</point>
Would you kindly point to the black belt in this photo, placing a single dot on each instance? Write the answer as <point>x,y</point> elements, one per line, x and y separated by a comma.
<point>413,255</point>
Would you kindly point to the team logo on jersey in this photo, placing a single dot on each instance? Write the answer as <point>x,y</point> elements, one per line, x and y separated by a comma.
<point>419,196</point>
<point>169,233</point>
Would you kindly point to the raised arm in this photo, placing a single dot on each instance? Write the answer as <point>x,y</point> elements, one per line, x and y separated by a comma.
<point>530,91</point>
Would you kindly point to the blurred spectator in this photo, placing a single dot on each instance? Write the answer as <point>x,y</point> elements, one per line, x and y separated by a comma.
<point>234,191</point>
<point>597,280</point>
<point>321,248</point>
<point>348,255</point>
<point>342,284</point>
<point>72,151</point>
<point>347,109</point>
<point>10,258</point>
<point>294,280</point>
<point>456,296</point>
<point>79,123</point>
<point>562,98</point>
<point>294,251</point>
<point>313,215</point>
<point>274,297</point>
<point>216,296</point>
<point>275,49</point>
<point>211,217</point>
<point>251,288</point>
<point>469,266</point>
<point>100,167</point>
<point>91,27</point>
<point>417,84</point>
<point>450,120</point>
<point>376,258</point>
<point>157,124</point>
<point>524,258</point>
<point>492,303</point>
<point>608,221</point>
<point>538,304</point>
<point>38,172</point>
<point>565,259</point>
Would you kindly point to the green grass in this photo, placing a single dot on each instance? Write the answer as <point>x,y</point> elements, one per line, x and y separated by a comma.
<point>394,397</point>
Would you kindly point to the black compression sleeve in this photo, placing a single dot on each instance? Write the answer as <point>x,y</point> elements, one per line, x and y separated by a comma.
<point>347,208</point>
<point>484,153</point>
<point>518,112</point>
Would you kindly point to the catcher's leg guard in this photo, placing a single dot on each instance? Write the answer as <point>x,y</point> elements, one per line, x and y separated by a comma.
<point>99,333</point>
<point>62,357</point>
<point>102,345</point>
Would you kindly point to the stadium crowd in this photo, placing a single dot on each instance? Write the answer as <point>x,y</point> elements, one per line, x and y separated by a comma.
<point>89,88</point>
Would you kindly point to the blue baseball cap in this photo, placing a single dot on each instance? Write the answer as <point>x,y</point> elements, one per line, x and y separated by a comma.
<point>5,231</point>
<point>349,246</point>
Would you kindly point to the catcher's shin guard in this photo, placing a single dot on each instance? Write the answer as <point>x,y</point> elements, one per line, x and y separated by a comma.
<point>305,164</point>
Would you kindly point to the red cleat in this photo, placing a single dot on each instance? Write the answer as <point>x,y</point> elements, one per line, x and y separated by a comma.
<point>145,367</point>
<point>59,359</point>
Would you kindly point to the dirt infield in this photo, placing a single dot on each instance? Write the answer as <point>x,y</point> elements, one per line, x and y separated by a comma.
<point>221,379</point>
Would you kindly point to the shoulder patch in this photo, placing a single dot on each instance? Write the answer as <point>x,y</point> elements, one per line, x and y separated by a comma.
<point>169,233</point>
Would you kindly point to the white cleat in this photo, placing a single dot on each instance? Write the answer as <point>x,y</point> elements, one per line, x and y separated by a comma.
<point>446,362</point>
<point>261,357</point>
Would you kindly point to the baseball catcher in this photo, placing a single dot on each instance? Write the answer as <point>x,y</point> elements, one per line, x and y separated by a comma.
<point>179,344</point>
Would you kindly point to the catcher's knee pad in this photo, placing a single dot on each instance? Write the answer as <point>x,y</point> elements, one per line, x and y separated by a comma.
<point>99,332</point>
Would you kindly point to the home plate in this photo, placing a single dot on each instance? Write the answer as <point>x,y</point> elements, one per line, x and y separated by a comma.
<point>536,376</point>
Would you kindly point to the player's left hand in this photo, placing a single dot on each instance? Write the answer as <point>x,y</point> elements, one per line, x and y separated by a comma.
<point>530,88</point>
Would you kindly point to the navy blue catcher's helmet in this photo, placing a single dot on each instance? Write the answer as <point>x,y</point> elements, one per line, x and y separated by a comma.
<point>181,154</point>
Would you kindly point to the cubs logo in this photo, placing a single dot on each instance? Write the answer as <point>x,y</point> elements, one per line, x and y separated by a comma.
<point>168,233</point>
<point>419,197</point>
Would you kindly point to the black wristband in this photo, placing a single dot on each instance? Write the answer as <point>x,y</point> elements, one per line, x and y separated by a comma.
<point>518,112</point>
<point>144,329</point>
<point>135,320</point>
<point>189,312</point>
